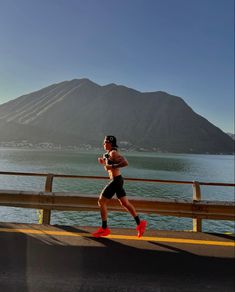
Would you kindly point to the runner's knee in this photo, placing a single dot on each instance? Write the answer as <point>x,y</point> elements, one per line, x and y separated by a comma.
<point>101,202</point>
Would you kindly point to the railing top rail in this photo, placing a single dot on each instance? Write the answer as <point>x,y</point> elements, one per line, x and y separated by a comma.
<point>105,177</point>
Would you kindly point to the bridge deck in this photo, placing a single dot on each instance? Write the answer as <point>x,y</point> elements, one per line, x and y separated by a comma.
<point>62,258</point>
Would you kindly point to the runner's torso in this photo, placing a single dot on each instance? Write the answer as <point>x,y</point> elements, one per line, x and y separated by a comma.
<point>108,161</point>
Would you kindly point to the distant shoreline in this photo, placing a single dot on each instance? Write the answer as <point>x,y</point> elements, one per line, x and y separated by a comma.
<point>87,148</point>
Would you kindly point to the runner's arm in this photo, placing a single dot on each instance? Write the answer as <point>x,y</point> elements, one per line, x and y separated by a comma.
<point>119,160</point>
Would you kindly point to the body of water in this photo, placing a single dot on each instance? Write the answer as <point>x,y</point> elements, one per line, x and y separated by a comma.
<point>203,168</point>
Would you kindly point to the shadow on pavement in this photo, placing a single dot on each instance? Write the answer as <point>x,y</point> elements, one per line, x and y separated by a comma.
<point>28,263</point>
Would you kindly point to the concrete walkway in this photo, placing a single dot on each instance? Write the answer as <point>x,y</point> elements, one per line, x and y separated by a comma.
<point>58,258</point>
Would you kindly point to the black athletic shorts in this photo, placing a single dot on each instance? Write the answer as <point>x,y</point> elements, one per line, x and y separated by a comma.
<point>115,186</point>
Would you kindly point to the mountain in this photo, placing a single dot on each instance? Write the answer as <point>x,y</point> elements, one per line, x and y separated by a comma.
<point>231,135</point>
<point>80,112</point>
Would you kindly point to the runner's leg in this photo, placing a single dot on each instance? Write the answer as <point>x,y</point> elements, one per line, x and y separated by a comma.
<point>127,205</point>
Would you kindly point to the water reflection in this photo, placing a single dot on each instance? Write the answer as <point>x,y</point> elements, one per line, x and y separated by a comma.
<point>159,164</point>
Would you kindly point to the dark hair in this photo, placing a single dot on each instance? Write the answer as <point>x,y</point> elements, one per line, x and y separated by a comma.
<point>112,140</point>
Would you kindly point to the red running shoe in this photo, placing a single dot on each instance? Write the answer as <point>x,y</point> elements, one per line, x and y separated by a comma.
<point>141,228</point>
<point>101,232</point>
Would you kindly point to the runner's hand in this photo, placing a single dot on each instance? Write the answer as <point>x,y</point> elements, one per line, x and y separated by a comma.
<point>101,160</point>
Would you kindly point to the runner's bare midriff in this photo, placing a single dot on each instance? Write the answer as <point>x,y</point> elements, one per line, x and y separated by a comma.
<point>113,173</point>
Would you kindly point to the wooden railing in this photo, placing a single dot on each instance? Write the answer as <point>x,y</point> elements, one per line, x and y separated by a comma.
<point>47,200</point>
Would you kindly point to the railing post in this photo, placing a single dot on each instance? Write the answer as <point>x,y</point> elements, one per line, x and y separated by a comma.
<point>46,213</point>
<point>197,222</point>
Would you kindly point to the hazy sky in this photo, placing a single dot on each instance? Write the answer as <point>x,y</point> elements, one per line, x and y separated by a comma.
<point>183,47</point>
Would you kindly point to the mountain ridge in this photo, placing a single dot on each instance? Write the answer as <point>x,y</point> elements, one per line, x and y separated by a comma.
<point>81,112</point>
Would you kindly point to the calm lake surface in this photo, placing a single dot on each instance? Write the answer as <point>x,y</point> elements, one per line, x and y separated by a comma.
<point>203,168</point>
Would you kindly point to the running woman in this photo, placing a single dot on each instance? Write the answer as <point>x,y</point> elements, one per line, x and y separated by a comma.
<point>112,162</point>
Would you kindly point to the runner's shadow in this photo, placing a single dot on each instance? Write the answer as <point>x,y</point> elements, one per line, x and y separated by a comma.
<point>178,250</point>
<point>71,229</point>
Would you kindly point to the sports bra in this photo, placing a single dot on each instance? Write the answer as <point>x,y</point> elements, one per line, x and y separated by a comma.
<point>106,157</point>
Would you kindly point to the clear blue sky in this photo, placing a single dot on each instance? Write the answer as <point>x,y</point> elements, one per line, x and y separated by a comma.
<point>183,47</point>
